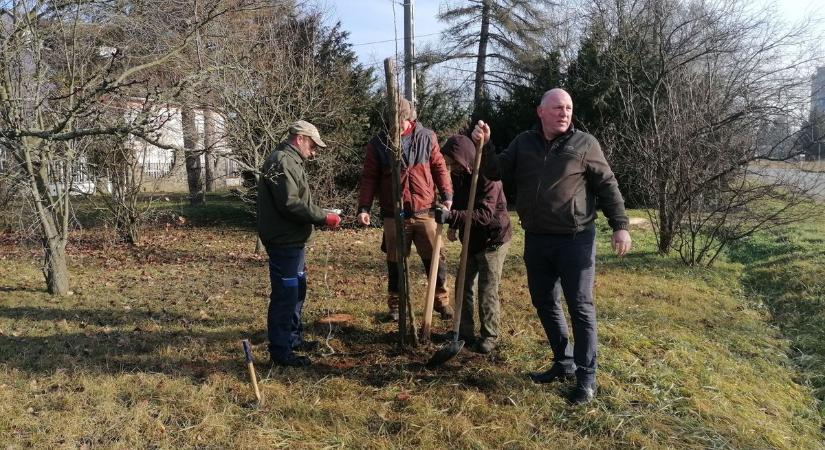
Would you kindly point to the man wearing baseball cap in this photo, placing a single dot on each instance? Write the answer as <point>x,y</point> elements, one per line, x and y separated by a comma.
<point>286,215</point>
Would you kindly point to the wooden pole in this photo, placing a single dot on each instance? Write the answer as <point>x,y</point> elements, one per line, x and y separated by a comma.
<point>426,328</point>
<point>465,242</point>
<point>394,138</point>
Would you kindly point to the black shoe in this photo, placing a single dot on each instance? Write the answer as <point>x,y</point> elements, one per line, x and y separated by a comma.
<point>584,393</point>
<point>485,345</point>
<point>306,346</point>
<point>556,372</point>
<point>292,360</point>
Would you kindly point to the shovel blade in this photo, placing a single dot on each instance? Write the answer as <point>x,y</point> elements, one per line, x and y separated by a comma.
<point>445,353</point>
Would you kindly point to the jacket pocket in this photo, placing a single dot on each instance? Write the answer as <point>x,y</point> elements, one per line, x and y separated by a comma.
<point>581,211</point>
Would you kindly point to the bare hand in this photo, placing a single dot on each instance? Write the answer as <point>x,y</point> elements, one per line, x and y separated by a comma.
<point>448,204</point>
<point>364,218</point>
<point>481,132</point>
<point>452,235</point>
<point>621,242</point>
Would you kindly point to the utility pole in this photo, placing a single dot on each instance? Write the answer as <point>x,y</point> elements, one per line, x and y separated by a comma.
<point>409,52</point>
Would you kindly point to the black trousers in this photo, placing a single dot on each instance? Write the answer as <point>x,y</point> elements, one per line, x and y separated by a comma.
<point>570,258</point>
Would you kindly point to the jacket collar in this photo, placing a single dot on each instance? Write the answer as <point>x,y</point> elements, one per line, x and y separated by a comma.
<point>411,130</point>
<point>293,151</point>
<point>540,130</point>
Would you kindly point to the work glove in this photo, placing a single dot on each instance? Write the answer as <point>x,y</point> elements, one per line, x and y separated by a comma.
<point>333,220</point>
<point>442,214</point>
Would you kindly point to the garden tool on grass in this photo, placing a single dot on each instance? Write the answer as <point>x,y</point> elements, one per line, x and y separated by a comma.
<point>247,350</point>
<point>451,348</point>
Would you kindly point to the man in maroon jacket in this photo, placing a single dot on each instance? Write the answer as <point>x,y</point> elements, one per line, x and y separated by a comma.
<point>490,233</point>
<point>422,171</point>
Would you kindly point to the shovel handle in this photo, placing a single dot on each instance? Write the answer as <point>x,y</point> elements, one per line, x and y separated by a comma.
<point>247,350</point>
<point>468,222</point>
<point>431,281</point>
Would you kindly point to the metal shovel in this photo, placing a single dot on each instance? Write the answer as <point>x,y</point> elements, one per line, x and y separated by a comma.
<point>451,348</point>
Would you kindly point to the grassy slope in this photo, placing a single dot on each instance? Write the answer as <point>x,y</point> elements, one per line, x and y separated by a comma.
<point>787,276</point>
<point>146,354</point>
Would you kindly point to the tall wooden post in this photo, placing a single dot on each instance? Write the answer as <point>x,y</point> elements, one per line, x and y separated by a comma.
<point>394,138</point>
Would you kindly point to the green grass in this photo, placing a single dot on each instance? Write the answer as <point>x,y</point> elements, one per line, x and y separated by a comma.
<point>785,272</point>
<point>146,354</point>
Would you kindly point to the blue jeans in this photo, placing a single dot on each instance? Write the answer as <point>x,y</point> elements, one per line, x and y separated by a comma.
<point>570,258</point>
<point>289,288</point>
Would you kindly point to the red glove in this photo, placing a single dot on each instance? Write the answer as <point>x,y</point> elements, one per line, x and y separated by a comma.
<point>332,220</point>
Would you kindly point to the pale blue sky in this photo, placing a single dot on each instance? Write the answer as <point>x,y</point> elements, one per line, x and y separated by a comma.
<point>370,23</point>
<point>372,30</point>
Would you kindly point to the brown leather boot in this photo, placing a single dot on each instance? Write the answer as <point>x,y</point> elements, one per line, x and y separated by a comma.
<point>446,311</point>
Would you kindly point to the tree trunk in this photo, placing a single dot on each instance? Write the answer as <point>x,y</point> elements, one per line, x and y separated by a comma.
<point>208,149</point>
<point>666,229</point>
<point>481,62</point>
<point>194,175</point>
<point>55,268</point>
<point>128,229</point>
<point>54,225</point>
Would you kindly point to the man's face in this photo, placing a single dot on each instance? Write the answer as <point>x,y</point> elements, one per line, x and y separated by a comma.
<point>307,146</point>
<point>555,113</point>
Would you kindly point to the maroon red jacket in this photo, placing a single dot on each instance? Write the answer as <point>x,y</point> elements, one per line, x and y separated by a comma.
<point>422,170</point>
<point>491,225</point>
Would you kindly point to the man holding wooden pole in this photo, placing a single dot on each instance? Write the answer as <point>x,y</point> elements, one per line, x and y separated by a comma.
<point>562,170</point>
<point>422,171</point>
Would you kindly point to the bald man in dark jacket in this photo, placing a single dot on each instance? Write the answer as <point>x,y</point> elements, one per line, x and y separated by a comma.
<point>559,173</point>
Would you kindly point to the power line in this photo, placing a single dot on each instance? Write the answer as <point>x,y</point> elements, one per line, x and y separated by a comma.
<point>392,40</point>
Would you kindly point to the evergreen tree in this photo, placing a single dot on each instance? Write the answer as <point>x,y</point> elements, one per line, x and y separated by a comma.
<point>492,33</point>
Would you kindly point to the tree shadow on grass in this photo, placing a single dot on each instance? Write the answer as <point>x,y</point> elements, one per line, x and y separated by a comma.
<point>8,288</point>
<point>108,317</point>
<point>120,352</point>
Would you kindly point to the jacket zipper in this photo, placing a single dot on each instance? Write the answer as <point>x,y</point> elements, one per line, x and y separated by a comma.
<point>543,167</point>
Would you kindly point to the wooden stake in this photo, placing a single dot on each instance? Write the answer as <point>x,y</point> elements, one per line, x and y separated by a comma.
<point>394,135</point>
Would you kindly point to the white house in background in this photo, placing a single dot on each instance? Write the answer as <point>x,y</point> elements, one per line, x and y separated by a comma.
<point>164,168</point>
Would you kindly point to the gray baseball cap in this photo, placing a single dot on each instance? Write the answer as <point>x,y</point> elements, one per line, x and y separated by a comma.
<point>305,128</point>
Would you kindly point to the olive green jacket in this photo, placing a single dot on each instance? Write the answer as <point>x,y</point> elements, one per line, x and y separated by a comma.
<point>286,213</point>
